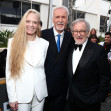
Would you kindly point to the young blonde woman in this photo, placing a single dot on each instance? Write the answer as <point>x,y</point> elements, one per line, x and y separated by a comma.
<point>25,77</point>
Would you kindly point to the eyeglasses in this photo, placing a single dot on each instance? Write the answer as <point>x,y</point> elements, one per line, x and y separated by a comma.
<point>81,32</point>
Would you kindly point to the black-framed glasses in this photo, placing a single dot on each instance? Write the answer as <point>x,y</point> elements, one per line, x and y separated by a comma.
<point>81,32</point>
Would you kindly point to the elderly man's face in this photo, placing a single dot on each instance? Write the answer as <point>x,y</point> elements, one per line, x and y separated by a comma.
<point>107,39</point>
<point>60,19</point>
<point>80,33</point>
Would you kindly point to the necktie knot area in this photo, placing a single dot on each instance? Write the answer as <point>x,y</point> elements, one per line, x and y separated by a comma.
<point>58,35</point>
<point>58,42</point>
<point>78,46</point>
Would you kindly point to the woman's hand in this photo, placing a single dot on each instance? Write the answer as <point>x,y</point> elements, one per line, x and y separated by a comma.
<point>14,106</point>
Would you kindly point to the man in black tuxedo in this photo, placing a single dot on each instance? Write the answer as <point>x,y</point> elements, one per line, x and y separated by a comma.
<point>56,60</point>
<point>88,70</point>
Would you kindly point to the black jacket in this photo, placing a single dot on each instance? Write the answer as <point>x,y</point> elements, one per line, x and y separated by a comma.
<point>56,63</point>
<point>90,83</point>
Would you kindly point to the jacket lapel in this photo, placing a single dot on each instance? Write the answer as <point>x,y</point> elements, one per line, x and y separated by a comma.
<point>52,41</point>
<point>69,65</point>
<point>38,50</point>
<point>65,40</point>
<point>86,56</point>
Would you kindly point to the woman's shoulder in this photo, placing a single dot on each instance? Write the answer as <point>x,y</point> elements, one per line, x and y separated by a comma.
<point>43,41</point>
<point>10,39</point>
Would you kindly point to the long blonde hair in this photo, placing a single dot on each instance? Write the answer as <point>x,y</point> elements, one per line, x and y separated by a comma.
<point>18,45</point>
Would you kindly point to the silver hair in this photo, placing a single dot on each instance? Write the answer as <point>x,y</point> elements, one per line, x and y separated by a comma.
<point>80,20</point>
<point>60,7</point>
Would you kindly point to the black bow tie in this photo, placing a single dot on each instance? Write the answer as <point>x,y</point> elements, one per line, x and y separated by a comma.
<point>78,46</point>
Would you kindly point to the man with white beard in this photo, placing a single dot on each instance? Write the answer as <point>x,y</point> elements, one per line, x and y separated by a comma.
<point>56,60</point>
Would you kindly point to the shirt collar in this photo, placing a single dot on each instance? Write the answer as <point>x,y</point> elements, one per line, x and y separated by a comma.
<point>84,44</point>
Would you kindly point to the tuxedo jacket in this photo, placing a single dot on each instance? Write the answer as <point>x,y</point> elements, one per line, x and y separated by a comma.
<point>56,63</point>
<point>90,82</point>
<point>32,75</point>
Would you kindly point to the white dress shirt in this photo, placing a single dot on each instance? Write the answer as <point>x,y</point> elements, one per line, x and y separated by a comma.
<point>76,56</point>
<point>56,37</point>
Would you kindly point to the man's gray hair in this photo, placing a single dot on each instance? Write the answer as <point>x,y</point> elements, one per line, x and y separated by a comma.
<point>80,20</point>
<point>60,7</point>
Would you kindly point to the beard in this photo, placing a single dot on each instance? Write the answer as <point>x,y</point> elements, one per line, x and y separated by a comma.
<point>60,29</point>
